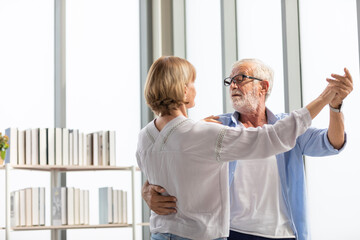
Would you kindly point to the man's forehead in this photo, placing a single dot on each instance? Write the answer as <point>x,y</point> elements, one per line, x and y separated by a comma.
<point>245,68</point>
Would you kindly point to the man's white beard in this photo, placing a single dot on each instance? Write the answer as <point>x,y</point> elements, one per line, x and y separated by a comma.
<point>247,103</point>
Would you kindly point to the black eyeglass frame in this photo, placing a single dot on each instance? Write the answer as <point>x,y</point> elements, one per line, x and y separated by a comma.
<point>232,79</point>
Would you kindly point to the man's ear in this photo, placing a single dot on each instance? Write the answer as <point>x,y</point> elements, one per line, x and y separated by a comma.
<point>264,86</point>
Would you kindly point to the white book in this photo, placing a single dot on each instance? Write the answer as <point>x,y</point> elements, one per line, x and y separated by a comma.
<point>76,147</point>
<point>59,206</point>
<point>51,146</point>
<point>81,149</point>
<point>42,147</point>
<point>77,206</point>
<point>95,148</point>
<point>121,207</point>
<point>22,214</point>
<point>124,210</point>
<point>42,206</point>
<point>89,152</point>
<point>65,147</point>
<point>86,208</point>
<point>103,148</point>
<point>105,205</point>
<point>58,146</point>
<point>28,147</point>
<point>70,206</point>
<point>35,146</point>
<point>100,148</point>
<point>35,206</point>
<point>21,147</point>
<point>12,209</point>
<point>71,149</point>
<point>116,206</point>
<point>28,207</point>
<point>81,206</point>
<point>112,148</point>
<point>17,208</point>
<point>11,152</point>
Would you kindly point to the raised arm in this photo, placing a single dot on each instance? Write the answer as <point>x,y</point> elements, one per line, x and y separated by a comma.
<point>257,143</point>
<point>336,134</point>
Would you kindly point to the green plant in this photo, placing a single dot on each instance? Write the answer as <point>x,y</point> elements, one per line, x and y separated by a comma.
<point>3,145</point>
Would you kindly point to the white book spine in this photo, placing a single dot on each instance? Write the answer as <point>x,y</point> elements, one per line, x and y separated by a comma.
<point>77,206</point>
<point>125,207</point>
<point>17,208</point>
<point>11,152</point>
<point>121,206</point>
<point>70,206</point>
<point>58,146</point>
<point>86,208</point>
<point>82,205</point>
<point>112,148</point>
<point>35,206</point>
<point>89,152</point>
<point>95,149</point>
<point>51,146</point>
<point>42,206</point>
<point>35,146</point>
<point>22,207</point>
<point>65,146</point>
<point>28,207</point>
<point>81,147</point>
<point>42,147</point>
<point>71,149</point>
<point>28,147</point>
<point>100,148</point>
<point>76,147</point>
<point>64,209</point>
<point>115,206</point>
<point>21,147</point>
<point>12,209</point>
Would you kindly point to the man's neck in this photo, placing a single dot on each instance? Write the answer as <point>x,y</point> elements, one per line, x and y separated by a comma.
<point>254,119</point>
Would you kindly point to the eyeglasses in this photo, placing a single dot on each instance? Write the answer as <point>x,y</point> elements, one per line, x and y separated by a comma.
<point>241,78</point>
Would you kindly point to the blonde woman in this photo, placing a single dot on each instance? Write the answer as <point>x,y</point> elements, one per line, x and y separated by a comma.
<point>189,159</point>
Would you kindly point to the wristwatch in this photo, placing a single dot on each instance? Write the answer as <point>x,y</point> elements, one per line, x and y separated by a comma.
<point>336,109</point>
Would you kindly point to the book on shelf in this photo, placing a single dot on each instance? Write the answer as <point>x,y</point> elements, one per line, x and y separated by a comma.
<point>71,148</point>
<point>34,146</point>
<point>28,147</point>
<point>77,206</point>
<point>82,207</point>
<point>112,148</point>
<point>70,206</point>
<point>51,146</point>
<point>11,153</point>
<point>120,204</point>
<point>116,206</point>
<point>75,147</point>
<point>65,147</point>
<point>41,206</point>
<point>95,149</point>
<point>81,151</point>
<point>22,207</point>
<point>35,206</point>
<point>59,206</point>
<point>12,209</point>
<point>43,147</point>
<point>86,207</point>
<point>124,210</point>
<point>105,205</point>
<point>28,207</point>
<point>103,148</point>
<point>58,146</point>
<point>21,147</point>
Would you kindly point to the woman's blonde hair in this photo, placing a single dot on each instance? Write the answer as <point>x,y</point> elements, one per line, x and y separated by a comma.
<point>165,84</point>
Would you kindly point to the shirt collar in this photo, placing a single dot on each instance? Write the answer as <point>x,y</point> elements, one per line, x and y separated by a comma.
<point>270,117</point>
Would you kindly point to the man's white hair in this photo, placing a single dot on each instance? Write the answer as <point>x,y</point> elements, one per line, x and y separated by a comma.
<point>260,70</point>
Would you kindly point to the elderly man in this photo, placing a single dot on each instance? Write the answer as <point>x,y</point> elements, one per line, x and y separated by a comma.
<point>268,197</point>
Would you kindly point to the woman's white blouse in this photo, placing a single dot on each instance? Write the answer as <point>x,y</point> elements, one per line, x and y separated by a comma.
<point>189,159</point>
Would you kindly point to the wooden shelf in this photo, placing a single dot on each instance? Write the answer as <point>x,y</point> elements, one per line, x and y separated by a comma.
<point>2,228</point>
<point>2,167</point>
<point>143,224</point>
<point>34,228</point>
<point>68,168</point>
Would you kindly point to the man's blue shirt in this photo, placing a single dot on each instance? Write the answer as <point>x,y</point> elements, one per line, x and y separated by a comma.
<point>314,142</point>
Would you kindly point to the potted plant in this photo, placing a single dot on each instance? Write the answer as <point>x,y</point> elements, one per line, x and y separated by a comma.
<point>3,146</point>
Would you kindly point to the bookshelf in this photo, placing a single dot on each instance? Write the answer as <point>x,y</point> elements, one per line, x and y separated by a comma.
<point>54,173</point>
